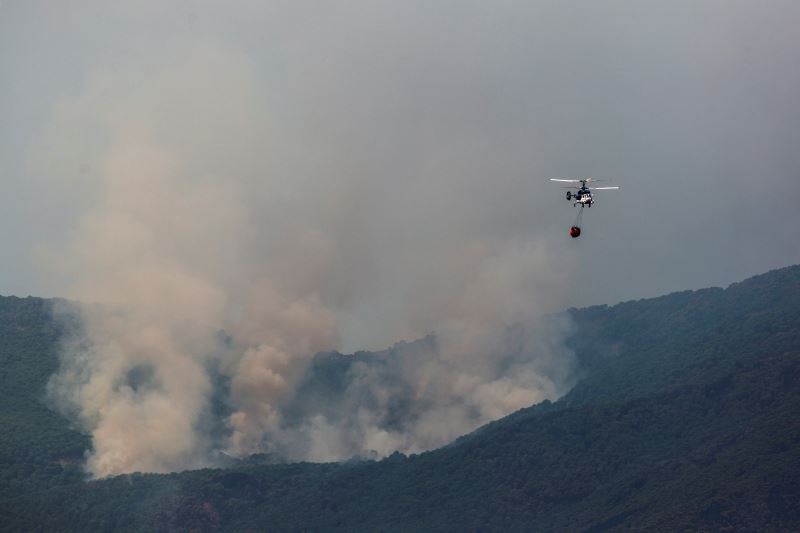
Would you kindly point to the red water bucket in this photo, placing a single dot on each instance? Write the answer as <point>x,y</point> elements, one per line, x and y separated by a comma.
<point>574,232</point>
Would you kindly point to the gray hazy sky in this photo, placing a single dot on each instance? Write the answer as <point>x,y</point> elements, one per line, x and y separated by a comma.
<point>690,106</point>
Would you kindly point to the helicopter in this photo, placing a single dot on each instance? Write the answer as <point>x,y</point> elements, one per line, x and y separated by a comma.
<point>583,195</point>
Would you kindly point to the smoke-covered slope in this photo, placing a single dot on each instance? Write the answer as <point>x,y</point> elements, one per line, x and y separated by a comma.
<point>686,417</point>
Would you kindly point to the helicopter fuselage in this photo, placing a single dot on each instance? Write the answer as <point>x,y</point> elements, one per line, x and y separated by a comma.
<point>582,196</point>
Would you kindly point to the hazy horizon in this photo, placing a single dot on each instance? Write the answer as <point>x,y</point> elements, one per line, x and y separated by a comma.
<point>674,102</point>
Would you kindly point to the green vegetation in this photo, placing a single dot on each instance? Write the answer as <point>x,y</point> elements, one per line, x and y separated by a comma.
<point>686,418</point>
<point>37,447</point>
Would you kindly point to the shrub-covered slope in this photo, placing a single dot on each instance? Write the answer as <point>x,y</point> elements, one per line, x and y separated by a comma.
<point>686,418</point>
<point>37,447</point>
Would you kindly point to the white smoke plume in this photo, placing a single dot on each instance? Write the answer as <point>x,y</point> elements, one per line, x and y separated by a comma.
<point>231,226</point>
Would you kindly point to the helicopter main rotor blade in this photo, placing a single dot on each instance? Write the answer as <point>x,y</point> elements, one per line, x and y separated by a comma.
<point>602,188</point>
<point>565,180</point>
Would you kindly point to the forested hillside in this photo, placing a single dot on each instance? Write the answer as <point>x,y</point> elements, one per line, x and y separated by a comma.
<point>37,446</point>
<point>686,417</point>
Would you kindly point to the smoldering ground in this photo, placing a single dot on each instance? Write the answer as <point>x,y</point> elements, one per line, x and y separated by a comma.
<point>411,397</point>
<point>414,396</point>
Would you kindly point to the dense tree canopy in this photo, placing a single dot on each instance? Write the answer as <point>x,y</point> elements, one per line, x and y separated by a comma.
<point>686,417</point>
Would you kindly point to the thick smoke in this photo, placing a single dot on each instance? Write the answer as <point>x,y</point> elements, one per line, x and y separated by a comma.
<point>417,396</point>
<point>232,226</point>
